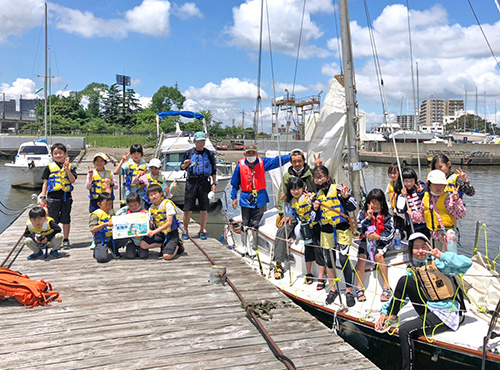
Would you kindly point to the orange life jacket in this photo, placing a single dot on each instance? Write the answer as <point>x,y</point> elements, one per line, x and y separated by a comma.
<point>252,178</point>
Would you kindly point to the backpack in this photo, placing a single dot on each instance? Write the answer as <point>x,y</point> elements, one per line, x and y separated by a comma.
<point>436,285</point>
<point>29,292</point>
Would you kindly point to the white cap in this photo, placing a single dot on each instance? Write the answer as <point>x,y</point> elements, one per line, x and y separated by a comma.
<point>418,236</point>
<point>155,162</point>
<point>437,177</point>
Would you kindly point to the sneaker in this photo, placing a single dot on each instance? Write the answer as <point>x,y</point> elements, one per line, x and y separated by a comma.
<point>65,244</point>
<point>116,255</point>
<point>331,297</point>
<point>351,301</point>
<point>202,236</point>
<point>55,254</point>
<point>34,256</point>
<point>185,235</point>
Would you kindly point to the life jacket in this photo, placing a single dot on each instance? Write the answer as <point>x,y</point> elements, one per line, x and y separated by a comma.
<point>106,232</point>
<point>302,207</point>
<point>98,185</point>
<point>26,291</point>
<point>159,215</point>
<point>431,218</point>
<point>252,178</point>
<point>452,183</point>
<point>436,285</point>
<point>58,179</point>
<point>392,195</point>
<point>155,180</point>
<point>43,230</point>
<point>200,164</point>
<point>331,200</point>
<point>134,170</point>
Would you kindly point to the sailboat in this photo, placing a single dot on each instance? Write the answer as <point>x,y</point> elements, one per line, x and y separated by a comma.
<point>33,156</point>
<point>471,347</point>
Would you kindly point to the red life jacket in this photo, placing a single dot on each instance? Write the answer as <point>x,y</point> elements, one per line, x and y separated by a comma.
<point>252,178</point>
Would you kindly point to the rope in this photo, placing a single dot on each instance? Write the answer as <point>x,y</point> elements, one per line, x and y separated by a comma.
<point>262,309</point>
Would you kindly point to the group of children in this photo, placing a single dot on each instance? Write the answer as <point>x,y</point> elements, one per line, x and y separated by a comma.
<point>431,208</point>
<point>145,193</point>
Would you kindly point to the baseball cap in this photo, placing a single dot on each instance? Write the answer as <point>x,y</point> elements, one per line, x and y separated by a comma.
<point>418,236</point>
<point>155,162</point>
<point>437,177</point>
<point>200,136</point>
<point>251,148</point>
<point>102,155</point>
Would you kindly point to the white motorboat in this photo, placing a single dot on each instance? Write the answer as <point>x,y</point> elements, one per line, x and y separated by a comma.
<point>470,137</point>
<point>29,163</point>
<point>171,151</point>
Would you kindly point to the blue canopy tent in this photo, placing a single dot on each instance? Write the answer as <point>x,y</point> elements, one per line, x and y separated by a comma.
<point>182,113</point>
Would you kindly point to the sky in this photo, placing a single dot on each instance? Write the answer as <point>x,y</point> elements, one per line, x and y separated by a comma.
<point>209,49</point>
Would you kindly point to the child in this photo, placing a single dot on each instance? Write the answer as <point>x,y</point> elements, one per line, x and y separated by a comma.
<point>393,173</point>
<point>42,231</point>
<point>440,209</point>
<point>102,228</point>
<point>412,189</point>
<point>458,179</point>
<point>301,206</point>
<point>58,178</point>
<point>133,206</point>
<point>134,167</point>
<point>166,234</point>
<point>99,180</point>
<point>153,177</point>
<point>335,228</point>
<point>375,213</point>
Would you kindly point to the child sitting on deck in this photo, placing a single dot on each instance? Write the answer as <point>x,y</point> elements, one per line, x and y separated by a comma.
<point>99,180</point>
<point>133,206</point>
<point>102,228</point>
<point>165,234</point>
<point>41,231</point>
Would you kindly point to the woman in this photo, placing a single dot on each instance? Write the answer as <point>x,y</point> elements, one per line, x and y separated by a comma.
<point>433,316</point>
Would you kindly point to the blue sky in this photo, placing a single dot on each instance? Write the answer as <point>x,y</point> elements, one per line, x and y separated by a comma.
<point>210,49</point>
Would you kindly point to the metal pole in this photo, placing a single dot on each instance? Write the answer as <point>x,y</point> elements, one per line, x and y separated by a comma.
<point>45,77</point>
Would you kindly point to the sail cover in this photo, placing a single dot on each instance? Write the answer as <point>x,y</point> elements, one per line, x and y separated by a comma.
<point>327,135</point>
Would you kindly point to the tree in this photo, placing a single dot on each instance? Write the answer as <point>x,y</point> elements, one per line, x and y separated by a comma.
<point>112,111</point>
<point>470,122</point>
<point>94,92</point>
<point>167,98</point>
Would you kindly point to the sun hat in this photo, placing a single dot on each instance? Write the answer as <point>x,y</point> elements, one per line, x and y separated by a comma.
<point>437,177</point>
<point>418,236</point>
<point>251,148</point>
<point>200,136</point>
<point>102,155</point>
<point>155,162</point>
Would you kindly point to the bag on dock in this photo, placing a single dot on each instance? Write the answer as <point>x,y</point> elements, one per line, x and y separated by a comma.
<point>29,292</point>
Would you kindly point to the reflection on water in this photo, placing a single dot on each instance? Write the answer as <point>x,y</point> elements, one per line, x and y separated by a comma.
<point>12,200</point>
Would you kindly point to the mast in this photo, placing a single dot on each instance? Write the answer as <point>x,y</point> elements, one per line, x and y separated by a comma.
<point>45,77</point>
<point>350,95</point>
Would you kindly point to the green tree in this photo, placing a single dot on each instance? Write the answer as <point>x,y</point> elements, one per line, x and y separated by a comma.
<point>94,92</point>
<point>470,122</point>
<point>167,98</point>
<point>112,109</point>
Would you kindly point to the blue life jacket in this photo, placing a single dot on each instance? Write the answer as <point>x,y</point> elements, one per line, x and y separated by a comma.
<point>200,164</point>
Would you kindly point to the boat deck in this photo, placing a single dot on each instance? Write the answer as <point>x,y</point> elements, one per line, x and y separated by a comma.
<point>139,314</point>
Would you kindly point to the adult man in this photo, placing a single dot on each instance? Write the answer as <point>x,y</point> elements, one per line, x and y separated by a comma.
<point>199,163</point>
<point>249,175</point>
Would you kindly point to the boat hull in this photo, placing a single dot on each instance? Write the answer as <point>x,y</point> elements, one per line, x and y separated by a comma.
<point>178,187</point>
<point>24,176</point>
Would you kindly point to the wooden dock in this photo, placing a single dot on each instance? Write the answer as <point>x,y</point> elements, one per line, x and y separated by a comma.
<point>144,314</point>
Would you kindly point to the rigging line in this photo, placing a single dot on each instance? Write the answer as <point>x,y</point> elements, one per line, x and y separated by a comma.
<point>339,49</point>
<point>37,47</point>
<point>413,88</point>
<point>498,6</point>
<point>484,35</point>
<point>298,47</point>
<point>257,105</point>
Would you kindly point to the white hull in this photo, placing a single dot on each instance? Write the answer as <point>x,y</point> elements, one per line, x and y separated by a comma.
<point>466,341</point>
<point>470,137</point>
<point>25,177</point>
<point>178,186</point>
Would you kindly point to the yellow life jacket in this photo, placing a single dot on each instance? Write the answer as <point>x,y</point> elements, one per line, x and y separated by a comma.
<point>330,200</point>
<point>302,207</point>
<point>98,185</point>
<point>392,195</point>
<point>431,219</point>
<point>159,215</point>
<point>134,170</point>
<point>58,179</point>
<point>43,230</point>
<point>452,183</point>
<point>107,231</point>
<point>155,180</point>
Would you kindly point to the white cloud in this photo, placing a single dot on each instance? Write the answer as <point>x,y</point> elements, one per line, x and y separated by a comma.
<point>18,17</point>
<point>150,18</point>
<point>285,18</point>
<point>21,86</point>
<point>229,88</point>
<point>187,10</point>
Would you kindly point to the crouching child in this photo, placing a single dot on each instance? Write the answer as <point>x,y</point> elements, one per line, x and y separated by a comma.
<point>42,232</point>
<point>102,228</point>
<point>165,233</point>
<point>133,206</point>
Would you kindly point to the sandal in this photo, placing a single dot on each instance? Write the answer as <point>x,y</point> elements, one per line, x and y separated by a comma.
<point>321,284</point>
<point>360,295</point>
<point>386,295</point>
<point>309,279</point>
<point>278,272</point>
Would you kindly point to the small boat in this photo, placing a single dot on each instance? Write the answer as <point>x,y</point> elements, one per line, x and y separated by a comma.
<point>470,137</point>
<point>29,163</point>
<point>171,151</point>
